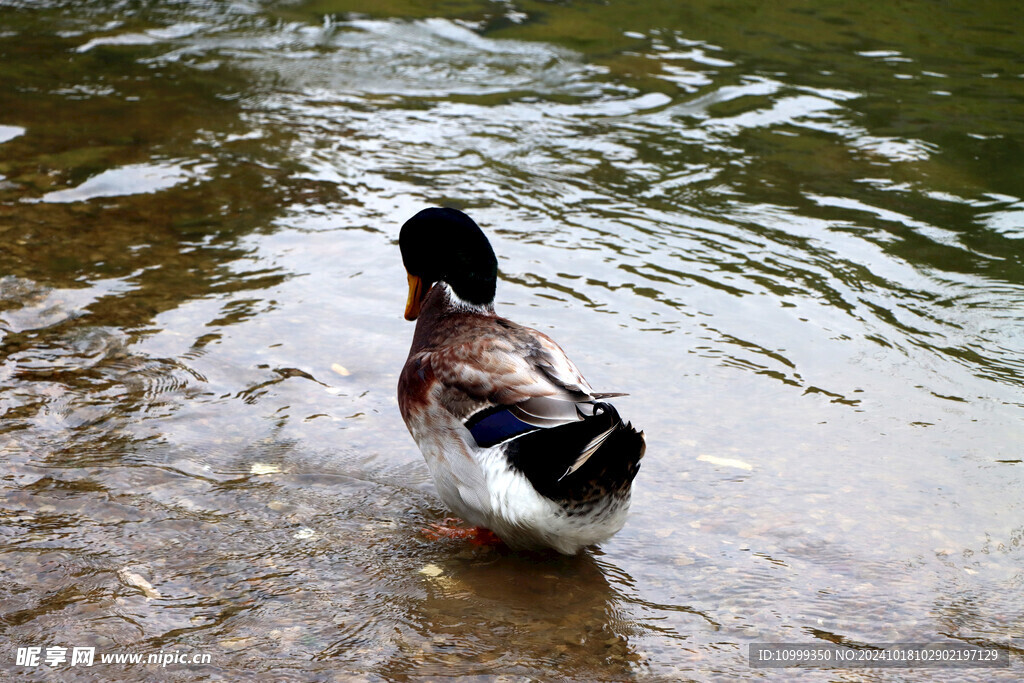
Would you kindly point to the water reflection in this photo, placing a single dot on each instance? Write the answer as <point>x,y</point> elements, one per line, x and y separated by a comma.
<point>131,179</point>
<point>552,612</point>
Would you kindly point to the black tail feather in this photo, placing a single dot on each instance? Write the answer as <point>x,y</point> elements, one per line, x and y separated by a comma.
<point>545,456</point>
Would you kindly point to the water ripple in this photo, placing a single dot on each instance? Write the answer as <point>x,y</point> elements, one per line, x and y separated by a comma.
<point>796,244</point>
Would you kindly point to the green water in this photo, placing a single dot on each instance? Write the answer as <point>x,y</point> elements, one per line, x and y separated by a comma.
<point>793,232</point>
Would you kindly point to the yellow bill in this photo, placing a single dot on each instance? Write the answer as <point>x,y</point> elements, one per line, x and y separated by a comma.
<point>416,296</point>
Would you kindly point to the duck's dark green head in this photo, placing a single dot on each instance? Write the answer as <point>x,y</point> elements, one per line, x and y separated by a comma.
<point>446,245</point>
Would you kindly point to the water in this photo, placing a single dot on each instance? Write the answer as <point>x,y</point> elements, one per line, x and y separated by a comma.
<point>794,234</point>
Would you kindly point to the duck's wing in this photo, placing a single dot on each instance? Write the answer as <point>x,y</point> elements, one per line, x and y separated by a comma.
<point>519,366</point>
<point>503,386</point>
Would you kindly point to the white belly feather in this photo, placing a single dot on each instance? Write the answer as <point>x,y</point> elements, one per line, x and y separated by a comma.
<point>481,487</point>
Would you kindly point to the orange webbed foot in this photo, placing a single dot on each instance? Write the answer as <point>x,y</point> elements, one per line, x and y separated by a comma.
<point>451,529</point>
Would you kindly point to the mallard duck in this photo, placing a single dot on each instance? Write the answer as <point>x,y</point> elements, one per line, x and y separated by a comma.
<point>517,441</point>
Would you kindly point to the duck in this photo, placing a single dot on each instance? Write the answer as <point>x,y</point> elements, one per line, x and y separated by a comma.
<point>516,440</point>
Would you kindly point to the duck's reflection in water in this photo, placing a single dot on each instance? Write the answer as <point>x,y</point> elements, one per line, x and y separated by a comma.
<point>515,613</point>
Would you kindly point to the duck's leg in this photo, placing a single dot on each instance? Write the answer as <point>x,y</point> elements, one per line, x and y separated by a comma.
<point>452,529</point>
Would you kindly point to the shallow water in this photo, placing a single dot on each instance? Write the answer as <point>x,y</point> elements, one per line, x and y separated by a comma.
<point>794,234</point>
